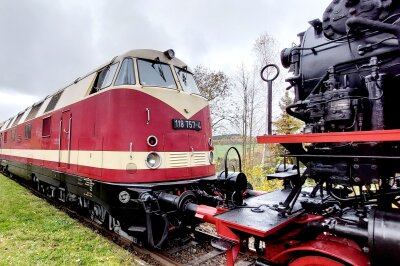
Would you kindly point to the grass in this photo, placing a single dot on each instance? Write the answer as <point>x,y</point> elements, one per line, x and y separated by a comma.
<point>32,232</point>
<point>221,149</point>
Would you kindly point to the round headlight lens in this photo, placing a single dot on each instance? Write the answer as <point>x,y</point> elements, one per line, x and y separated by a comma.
<point>153,160</point>
<point>170,54</point>
<point>211,157</point>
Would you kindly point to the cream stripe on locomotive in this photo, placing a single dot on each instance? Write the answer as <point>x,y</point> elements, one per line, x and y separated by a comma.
<point>115,160</point>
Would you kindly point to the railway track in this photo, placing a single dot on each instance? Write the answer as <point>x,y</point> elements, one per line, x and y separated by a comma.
<point>196,251</point>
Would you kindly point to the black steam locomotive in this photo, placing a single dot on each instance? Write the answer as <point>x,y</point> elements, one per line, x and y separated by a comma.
<point>346,73</point>
<point>346,77</point>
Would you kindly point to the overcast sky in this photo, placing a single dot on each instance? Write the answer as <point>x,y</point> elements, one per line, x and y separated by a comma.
<point>46,44</point>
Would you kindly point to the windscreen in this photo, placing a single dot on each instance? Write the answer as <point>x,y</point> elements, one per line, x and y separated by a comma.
<point>187,80</point>
<point>154,73</point>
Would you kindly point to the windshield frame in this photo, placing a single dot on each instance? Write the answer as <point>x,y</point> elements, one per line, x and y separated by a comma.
<point>155,62</point>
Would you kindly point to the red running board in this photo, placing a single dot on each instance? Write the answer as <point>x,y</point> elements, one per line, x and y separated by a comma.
<point>359,136</point>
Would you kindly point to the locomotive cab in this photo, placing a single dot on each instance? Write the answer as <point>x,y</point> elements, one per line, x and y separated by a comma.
<point>154,101</point>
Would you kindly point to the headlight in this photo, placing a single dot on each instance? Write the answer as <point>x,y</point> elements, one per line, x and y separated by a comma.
<point>211,157</point>
<point>153,160</point>
<point>170,54</point>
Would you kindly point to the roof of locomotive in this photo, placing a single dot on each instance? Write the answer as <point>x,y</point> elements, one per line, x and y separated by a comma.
<point>152,55</point>
<point>148,54</point>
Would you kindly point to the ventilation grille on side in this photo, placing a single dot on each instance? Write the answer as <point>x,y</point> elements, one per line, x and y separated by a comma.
<point>178,159</point>
<point>199,158</point>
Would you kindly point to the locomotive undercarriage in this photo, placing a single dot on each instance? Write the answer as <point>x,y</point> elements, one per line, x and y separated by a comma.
<point>290,225</point>
<point>131,210</point>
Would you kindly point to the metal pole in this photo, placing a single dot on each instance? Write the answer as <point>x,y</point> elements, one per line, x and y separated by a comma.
<point>266,76</point>
<point>269,108</point>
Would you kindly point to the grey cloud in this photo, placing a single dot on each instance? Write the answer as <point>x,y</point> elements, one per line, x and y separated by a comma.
<point>46,44</point>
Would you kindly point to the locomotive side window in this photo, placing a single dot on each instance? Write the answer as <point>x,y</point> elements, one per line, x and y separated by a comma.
<point>53,101</point>
<point>46,127</point>
<point>154,73</point>
<point>187,80</point>
<point>109,76</point>
<point>17,119</point>
<point>5,137</point>
<point>7,125</point>
<point>4,126</point>
<point>126,75</point>
<point>28,131</point>
<point>104,78</point>
<point>34,111</point>
<point>99,80</point>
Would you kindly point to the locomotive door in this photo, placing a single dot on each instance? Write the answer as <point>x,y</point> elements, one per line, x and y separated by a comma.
<point>65,139</point>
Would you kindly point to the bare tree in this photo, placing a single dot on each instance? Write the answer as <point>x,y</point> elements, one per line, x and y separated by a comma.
<point>215,86</point>
<point>265,49</point>
<point>247,106</point>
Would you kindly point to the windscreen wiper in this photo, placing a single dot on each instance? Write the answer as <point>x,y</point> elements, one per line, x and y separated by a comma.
<point>184,76</point>
<point>159,68</point>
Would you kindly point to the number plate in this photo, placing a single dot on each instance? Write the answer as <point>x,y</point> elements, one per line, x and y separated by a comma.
<point>186,124</point>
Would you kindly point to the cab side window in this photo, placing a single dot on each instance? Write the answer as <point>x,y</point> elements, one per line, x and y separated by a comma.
<point>126,74</point>
<point>104,78</point>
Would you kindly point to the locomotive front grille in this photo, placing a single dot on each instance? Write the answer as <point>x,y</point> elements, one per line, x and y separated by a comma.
<point>199,159</point>
<point>187,159</point>
<point>179,159</point>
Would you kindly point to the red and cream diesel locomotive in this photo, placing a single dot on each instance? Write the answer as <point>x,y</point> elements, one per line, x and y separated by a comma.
<point>135,125</point>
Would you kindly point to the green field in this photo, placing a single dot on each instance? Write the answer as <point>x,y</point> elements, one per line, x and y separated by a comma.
<point>32,232</point>
<point>220,150</point>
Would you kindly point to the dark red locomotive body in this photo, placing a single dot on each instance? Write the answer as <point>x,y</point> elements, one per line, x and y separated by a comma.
<point>130,126</point>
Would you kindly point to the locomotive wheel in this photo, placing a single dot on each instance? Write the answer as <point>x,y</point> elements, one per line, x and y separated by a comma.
<point>98,213</point>
<point>315,261</point>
